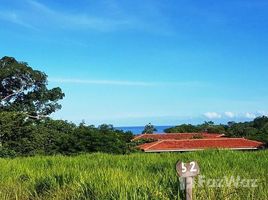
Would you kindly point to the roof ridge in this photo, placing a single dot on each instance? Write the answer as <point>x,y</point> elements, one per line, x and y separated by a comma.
<point>213,139</point>
<point>154,143</point>
<point>253,140</point>
<point>140,135</point>
<point>179,133</point>
<point>189,133</point>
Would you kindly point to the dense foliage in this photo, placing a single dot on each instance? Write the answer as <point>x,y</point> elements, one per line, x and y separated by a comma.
<point>133,177</point>
<point>256,129</point>
<point>208,127</point>
<point>23,89</point>
<point>149,129</point>
<point>22,136</point>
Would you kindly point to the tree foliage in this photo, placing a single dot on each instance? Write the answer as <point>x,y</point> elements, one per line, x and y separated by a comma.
<point>149,129</point>
<point>49,137</point>
<point>23,89</point>
<point>256,129</point>
<point>208,127</point>
<point>184,128</point>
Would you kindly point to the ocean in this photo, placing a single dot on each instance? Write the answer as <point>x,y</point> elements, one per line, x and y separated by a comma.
<point>138,129</point>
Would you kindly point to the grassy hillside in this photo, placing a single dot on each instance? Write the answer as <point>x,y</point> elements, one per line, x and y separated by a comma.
<point>135,176</point>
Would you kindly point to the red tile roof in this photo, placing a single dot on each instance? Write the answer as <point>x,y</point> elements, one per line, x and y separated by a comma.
<point>177,136</point>
<point>200,144</point>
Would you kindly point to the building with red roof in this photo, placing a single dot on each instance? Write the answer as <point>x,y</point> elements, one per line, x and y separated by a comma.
<point>194,141</point>
<point>171,145</point>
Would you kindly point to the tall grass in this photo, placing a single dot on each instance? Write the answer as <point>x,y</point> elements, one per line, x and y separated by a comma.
<point>135,176</point>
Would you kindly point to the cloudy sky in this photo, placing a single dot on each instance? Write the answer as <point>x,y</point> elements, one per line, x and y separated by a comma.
<point>134,62</point>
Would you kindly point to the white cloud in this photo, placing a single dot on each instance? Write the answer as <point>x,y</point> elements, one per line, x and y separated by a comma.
<point>108,16</point>
<point>250,115</point>
<point>262,113</point>
<point>212,115</point>
<point>101,82</point>
<point>62,19</point>
<point>126,83</point>
<point>83,20</point>
<point>229,114</point>
<point>15,18</point>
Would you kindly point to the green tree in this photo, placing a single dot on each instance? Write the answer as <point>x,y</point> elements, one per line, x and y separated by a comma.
<point>23,89</point>
<point>184,128</point>
<point>149,129</point>
<point>17,134</point>
<point>260,122</point>
<point>211,127</point>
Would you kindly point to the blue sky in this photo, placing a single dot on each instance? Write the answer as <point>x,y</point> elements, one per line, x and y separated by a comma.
<point>134,62</point>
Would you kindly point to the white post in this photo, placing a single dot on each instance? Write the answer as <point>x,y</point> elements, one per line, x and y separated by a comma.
<point>188,171</point>
<point>189,188</point>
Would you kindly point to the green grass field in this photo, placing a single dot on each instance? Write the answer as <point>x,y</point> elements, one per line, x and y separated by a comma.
<point>134,176</point>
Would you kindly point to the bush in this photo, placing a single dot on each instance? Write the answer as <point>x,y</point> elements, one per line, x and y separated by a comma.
<point>7,153</point>
<point>24,137</point>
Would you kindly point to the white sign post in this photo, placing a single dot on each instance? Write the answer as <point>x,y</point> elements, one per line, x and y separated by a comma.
<point>188,171</point>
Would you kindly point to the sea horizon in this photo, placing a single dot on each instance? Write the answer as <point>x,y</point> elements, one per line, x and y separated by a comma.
<point>138,129</point>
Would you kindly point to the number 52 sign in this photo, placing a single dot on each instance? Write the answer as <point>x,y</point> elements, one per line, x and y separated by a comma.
<point>187,169</point>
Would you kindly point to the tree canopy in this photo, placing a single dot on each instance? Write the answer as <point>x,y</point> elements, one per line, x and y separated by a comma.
<point>208,127</point>
<point>23,95</point>
<point>20,137</point>
<point>23,89</point>
<point>149,129</point>
<point>256,129</point>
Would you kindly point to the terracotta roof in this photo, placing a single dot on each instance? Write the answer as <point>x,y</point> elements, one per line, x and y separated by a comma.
<point>200,144</point>
<point>177,136</point>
